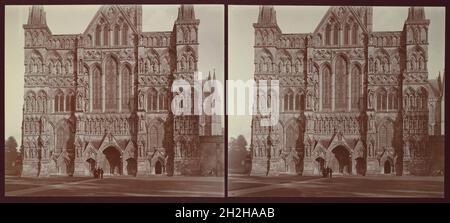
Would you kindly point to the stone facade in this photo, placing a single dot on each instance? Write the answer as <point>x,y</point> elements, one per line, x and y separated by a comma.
<point>350,98</point>
<point>102,98</point>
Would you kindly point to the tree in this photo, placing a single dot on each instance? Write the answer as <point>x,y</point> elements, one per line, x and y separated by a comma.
<point>10,153</point>
<point>237,153</point>
<point>241,142</point>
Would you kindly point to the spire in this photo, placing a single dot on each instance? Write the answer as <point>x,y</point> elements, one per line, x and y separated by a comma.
<point>214,74</point>
<point>267,15</point>
<point>416,13</point>
<point>186,12</point>
<point>209,75</point>
<point>37,16</point>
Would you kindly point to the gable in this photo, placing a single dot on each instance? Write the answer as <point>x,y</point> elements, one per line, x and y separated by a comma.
<point>90,152</point>
<point>129,150</point>
<point>341,16</point>
<point>109,140</point>
<point>112,15</point>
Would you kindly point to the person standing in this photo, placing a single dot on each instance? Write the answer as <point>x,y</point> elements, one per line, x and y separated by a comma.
<point>330,172</point>
<point>325,172</point>
<point>101,173</point>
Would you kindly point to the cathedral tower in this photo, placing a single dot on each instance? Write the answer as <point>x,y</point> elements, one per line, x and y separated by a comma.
<point>415,92</point>
<point>186,125</point>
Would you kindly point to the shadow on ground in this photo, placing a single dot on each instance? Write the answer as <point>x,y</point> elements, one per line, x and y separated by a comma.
<point>116,186</point>
<point>341,186</point>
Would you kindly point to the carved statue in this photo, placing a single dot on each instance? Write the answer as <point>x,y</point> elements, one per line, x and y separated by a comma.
<point>186,36</point>
<point>141,100</point>
<point>371,98</point>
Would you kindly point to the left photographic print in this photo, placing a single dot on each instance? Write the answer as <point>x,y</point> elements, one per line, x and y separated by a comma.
<point>114,100</point>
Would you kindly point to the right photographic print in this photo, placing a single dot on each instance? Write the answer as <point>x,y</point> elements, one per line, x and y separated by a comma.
<point>336,101</point>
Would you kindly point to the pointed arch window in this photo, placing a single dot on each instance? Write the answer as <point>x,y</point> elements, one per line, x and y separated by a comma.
<point>162,100</point>
<point>392,100</point>
<point>289,100</point>
<point>59,101</point>
<point>422,99</point>
<point>299,101</point>
<point>341,84</point>
<point>116,35</point>
<point>347,35</point>
<point>106,36</point>
<point>152,100</point>
<point>98,36</point>
<point>326,88</point>
<point>328,35</point>
<point>125,34</point>
<point>155,136</point>
<point>62,135</point>
<point>385,135</point>
<point>31,102</point>
<point>336,35</point>
<point>356,87</point>
<point>381,100</point>
<point>111,85</point>
<point>70,101</point>
<point>97,89</point>
<point>126,88</point>
<point>355,34</point>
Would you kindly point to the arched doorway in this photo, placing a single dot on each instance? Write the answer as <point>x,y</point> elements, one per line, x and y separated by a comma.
<point>387,167</point>
<point>340,160</point>
<point>112,163</point>
<point>91,165</point>
<point>158,167</point>
<point>320,164</point>
<point>131,166</point>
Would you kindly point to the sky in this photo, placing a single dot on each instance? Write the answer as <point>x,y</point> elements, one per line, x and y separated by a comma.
<point>304,19</point>
<point>74,19</point>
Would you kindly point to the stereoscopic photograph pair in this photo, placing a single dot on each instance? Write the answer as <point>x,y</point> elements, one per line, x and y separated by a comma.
<point>165,101</point>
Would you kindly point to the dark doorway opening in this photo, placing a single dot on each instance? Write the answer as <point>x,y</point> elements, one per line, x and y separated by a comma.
<point>112,164</point>
<point>387,167</point>
<point>158,167</point>
<point>91,164</point>
<point>341,162</point>
<point>320,164</point>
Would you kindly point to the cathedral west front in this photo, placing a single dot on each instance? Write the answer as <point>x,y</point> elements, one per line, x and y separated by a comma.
<point>352,99</point>
<point>102,98</point>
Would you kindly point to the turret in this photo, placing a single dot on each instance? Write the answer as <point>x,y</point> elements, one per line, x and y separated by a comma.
<point>267,33</point>
<point>36,30</point>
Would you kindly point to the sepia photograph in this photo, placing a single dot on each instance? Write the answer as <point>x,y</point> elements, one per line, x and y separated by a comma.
<point>102,100</point>
<point>336,101</point>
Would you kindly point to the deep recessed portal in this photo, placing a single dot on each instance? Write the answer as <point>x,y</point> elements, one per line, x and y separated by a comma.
<point>91,165</point>
<point>340,161</point>
<point>387,167</point>
<point>112,163</point>
<point>158,167</point>
<point>320,164</point>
